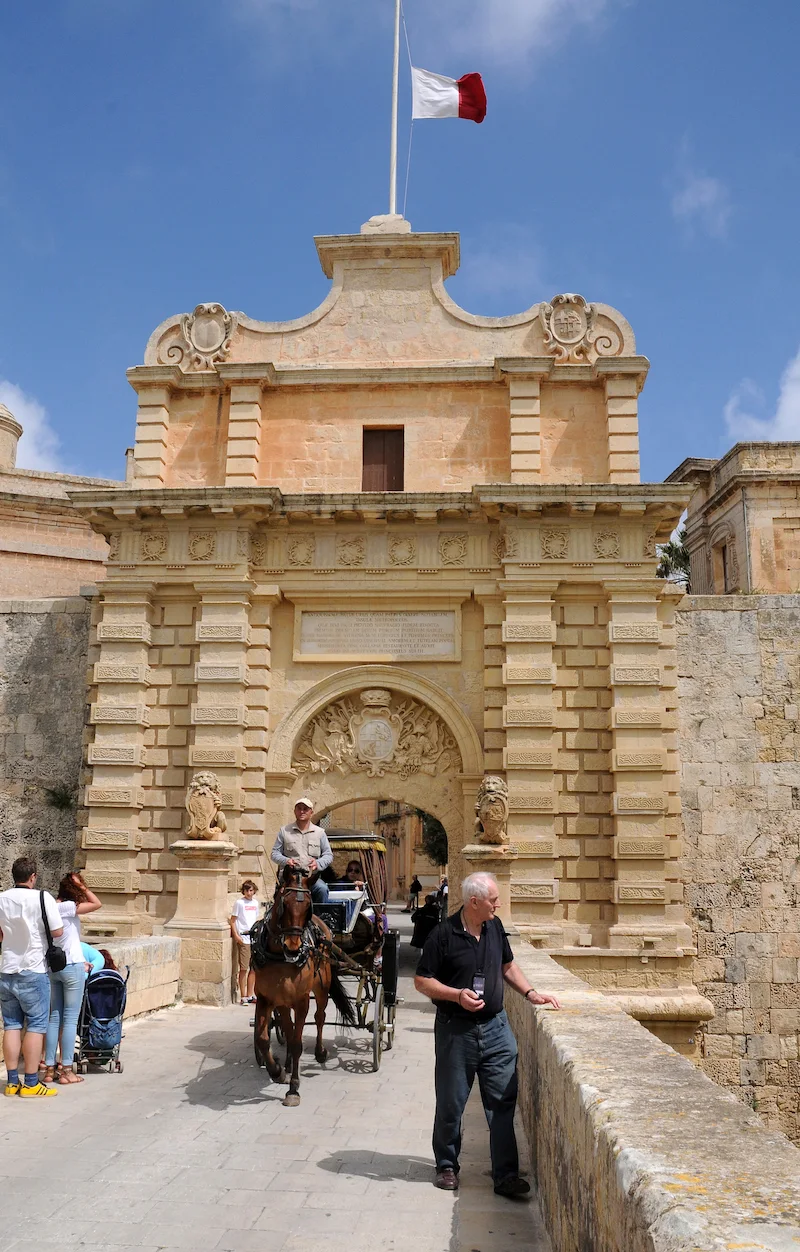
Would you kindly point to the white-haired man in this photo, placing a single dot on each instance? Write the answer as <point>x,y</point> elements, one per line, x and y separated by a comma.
<point>464,965</point>
<point>301,843</point>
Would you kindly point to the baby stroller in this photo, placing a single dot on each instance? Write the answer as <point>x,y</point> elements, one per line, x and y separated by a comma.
<point>100,1025</point>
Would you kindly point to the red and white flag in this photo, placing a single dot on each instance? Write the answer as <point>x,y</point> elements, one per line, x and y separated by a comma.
<point>433,95</point>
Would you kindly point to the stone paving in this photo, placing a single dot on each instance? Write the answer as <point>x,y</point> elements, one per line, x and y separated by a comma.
<point>191,1147</point>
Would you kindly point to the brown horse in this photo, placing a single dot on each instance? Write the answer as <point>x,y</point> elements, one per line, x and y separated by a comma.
<point>298,962</point>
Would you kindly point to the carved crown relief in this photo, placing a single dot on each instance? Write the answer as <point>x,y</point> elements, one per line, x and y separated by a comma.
<point>574,332</point>
<point>377,733</point>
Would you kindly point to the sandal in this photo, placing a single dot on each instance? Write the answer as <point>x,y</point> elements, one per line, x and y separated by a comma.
<point>47,1073</point>
<point>67,1076</point>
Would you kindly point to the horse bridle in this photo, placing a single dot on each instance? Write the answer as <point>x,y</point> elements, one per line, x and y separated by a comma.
<point>290,932</point>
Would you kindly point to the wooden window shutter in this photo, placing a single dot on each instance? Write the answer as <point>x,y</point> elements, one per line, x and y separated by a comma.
<point>382,460</point>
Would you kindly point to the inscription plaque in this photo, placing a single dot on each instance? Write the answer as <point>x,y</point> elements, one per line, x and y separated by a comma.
<point>382,635</point>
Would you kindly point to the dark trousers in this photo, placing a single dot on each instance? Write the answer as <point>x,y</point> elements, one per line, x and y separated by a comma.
<point>464,1049</point>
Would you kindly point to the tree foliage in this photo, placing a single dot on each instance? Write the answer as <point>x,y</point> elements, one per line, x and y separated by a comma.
<point>673,562</point>
<point>434,838</point>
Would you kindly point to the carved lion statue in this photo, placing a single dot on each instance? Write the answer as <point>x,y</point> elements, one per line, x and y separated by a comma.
<point>203,804</point>
<point>491,810</point>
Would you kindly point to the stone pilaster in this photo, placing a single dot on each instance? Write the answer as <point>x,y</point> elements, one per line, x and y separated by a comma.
<point>622,405</point>
<point>525,426</point>
<point>640,767</point>
<point>152,436</point>
<point>117,756</point>
<point>219,714</point>
<point>529,634</point>
<point>244,435</point>
<point>253,823</point>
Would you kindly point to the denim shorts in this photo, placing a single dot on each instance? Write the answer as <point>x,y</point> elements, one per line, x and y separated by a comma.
<point>25,1000</point>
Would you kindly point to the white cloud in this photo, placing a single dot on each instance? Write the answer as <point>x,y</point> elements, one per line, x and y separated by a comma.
<point>509,31</point>
<point>699,202</point>
<point>500,32</point>
<point>39,445</point>
<point>784,424</point>
<point>503,262</point>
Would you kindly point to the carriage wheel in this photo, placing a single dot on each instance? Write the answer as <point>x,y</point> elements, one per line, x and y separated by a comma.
<point>378,1027</point>
<point>388,1042</point>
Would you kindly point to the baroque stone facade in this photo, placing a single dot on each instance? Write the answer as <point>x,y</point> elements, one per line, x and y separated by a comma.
<point>743,523</point>
<point>266,619</point>
<point>46,548</point>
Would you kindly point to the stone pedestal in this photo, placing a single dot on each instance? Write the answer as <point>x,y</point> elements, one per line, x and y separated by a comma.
<point>496,859</point>
<point>201,919</point>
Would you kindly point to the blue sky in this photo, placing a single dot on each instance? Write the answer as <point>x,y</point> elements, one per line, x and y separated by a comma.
<point>159,153</point>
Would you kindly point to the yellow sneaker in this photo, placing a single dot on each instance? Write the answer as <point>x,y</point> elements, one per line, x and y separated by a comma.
<point>39,1089</point>
<point>12,1088</point>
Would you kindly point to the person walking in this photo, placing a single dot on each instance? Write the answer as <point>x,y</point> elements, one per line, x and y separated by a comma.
<point>242,919</point>
<point>413,895</point>
<point>303,845</point>
<point>464,965</point>
<point>24,985</point>
<point>74,900</point>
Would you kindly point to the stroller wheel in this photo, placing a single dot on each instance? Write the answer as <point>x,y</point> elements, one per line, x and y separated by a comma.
<point>84,1067</point>
<point>118,1067</point>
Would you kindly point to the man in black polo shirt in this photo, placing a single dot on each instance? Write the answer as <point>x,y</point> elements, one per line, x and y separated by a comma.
<point>464,965</point>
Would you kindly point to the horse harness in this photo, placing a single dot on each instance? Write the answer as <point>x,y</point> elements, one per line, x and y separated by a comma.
<point>314,942</point>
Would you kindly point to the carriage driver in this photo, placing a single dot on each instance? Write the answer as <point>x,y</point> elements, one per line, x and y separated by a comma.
<point>304,845</point>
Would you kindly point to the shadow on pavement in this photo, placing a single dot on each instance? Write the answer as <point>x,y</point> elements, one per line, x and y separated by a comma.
<point>378,1166</point>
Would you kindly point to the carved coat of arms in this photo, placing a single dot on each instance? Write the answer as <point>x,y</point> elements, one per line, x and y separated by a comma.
<point>386,734</point>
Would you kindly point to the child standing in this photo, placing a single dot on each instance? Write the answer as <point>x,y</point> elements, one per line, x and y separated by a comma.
<point>245,915</point>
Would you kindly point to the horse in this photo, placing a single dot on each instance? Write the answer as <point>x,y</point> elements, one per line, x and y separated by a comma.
<point>296,955</point>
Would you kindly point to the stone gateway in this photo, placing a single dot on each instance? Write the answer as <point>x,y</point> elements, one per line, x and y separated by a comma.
<point>384,551</point>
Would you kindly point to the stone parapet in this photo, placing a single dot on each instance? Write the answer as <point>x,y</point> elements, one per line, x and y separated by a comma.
<point>634,1150</point>
<point>154,963</point>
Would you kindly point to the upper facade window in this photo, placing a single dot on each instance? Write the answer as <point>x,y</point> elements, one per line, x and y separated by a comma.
<point>382,460</point>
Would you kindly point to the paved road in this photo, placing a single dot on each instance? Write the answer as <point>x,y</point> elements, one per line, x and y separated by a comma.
<point>191,1148</point>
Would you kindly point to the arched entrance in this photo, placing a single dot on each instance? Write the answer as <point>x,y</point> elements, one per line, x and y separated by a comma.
<point>378,732</point>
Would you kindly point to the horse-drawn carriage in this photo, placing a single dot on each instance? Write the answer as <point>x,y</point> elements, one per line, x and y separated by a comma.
<point>355,912</point>
<point>341,949</point>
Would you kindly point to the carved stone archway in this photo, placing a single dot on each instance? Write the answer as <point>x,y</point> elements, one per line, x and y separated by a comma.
<point>376,731</point>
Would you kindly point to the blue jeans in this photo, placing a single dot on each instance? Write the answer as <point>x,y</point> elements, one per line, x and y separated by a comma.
<point>25,999</point>
<point>66,997</point>
<point>319,892</point>
<point>464,1049</point>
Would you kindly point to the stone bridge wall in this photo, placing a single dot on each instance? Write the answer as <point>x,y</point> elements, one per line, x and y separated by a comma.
<point>634,1150</point>
<point>739,702</point>
<point>43,657</point>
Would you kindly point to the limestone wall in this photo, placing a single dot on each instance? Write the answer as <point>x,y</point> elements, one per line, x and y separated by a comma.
<point>43,651</point>
<point>634,1150</point>
<point>154,965</point>
<point>739,696</point>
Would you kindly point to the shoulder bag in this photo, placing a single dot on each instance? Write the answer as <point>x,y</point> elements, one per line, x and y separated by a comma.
<point>55,957</point>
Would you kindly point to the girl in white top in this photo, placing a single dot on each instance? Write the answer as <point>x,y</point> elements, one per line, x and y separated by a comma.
<point>74,901</point>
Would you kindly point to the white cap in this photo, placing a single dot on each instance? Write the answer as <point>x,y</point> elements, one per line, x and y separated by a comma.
<point>304,800</point>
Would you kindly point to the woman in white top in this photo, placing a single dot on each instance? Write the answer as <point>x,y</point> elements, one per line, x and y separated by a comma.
<point>74,901</point>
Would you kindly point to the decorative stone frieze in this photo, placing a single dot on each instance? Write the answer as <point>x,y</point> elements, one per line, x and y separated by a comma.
<point>120,714</point>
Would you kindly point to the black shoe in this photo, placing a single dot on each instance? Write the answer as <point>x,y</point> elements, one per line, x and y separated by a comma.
<point>512,1187</point>
<point>446,1180</point>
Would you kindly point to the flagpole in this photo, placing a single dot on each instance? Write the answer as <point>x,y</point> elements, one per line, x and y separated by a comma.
<point>395,86</point>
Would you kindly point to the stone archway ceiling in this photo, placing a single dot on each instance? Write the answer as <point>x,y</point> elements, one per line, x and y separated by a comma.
<point>376,732</point>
